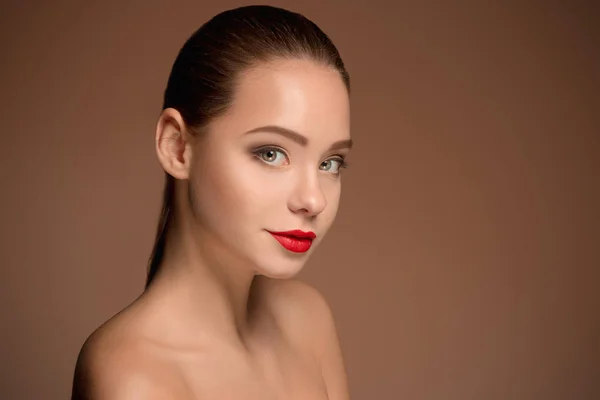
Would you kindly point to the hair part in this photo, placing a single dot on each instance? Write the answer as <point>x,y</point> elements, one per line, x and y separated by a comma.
<point>203,78</point>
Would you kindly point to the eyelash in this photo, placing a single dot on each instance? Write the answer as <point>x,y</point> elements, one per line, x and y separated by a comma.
<point>257,152</point>
<point>343,162</point>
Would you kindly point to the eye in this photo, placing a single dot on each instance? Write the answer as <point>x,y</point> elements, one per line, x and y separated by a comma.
<point>271,156</point>
<point>333,165</point>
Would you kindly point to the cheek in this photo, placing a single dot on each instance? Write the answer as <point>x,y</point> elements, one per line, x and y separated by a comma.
<point>220,191</point>
<point>236,190</point>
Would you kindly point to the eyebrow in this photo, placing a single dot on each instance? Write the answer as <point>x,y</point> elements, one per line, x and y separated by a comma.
<point>298,138</point>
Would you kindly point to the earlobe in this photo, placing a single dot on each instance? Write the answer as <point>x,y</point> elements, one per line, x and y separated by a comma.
<point>172,147</point>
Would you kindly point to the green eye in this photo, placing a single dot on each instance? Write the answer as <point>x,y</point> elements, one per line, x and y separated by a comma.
<point>332,165</point>
<point>271,156</point>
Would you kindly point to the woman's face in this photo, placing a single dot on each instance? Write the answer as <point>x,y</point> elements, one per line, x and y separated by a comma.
<point>273,163</point>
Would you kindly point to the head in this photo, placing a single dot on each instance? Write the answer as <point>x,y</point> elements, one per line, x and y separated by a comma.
<point>253,136</point>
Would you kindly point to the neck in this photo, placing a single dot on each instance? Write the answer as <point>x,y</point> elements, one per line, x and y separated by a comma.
<point>203,285</point>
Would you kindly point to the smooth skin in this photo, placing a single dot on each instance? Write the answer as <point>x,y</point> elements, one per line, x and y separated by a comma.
<point>224,318</point>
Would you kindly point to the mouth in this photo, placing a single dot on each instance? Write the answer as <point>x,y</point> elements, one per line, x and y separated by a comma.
<point>296,241</point>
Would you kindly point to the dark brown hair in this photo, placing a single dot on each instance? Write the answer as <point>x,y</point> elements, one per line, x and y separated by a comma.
<point>202,81</point>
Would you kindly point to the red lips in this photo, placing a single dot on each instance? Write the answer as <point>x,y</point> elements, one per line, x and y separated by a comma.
<point>296,241</point>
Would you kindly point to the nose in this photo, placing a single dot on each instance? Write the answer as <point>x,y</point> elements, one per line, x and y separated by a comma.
<point>307,197</point>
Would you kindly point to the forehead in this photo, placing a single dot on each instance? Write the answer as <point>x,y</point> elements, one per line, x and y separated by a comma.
<point>300,95</point>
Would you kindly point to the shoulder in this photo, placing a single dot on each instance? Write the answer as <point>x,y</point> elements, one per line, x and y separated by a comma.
<point>293,297</point>
<point>300,310</point>
<point>112,365</point>
<point>305,317</point>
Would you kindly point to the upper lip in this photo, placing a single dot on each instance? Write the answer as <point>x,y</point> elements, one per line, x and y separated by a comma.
<point>297,233</point>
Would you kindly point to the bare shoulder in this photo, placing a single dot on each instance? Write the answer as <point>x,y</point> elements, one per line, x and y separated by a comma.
<point>305,317</point>
<point>297,305</point>
<point>113,365</point>
<point>294,298</point>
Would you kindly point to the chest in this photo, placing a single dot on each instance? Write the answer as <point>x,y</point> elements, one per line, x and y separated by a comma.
<point>275,372</point>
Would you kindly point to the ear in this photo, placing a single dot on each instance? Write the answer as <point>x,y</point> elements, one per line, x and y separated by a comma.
<point>173,144</point>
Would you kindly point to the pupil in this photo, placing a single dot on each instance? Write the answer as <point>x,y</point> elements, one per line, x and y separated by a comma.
<point>270,154</point>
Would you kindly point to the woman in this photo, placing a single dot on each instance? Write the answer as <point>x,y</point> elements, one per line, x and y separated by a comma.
<point>254,131</point>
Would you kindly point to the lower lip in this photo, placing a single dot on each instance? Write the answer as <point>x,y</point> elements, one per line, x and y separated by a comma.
<point>294,244</point>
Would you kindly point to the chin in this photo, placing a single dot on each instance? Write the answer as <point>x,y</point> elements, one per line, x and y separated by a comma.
<point>274,261</point>
<point>284,269</point>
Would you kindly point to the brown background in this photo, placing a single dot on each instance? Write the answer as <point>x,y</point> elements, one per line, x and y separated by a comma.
<point>464,261</point>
